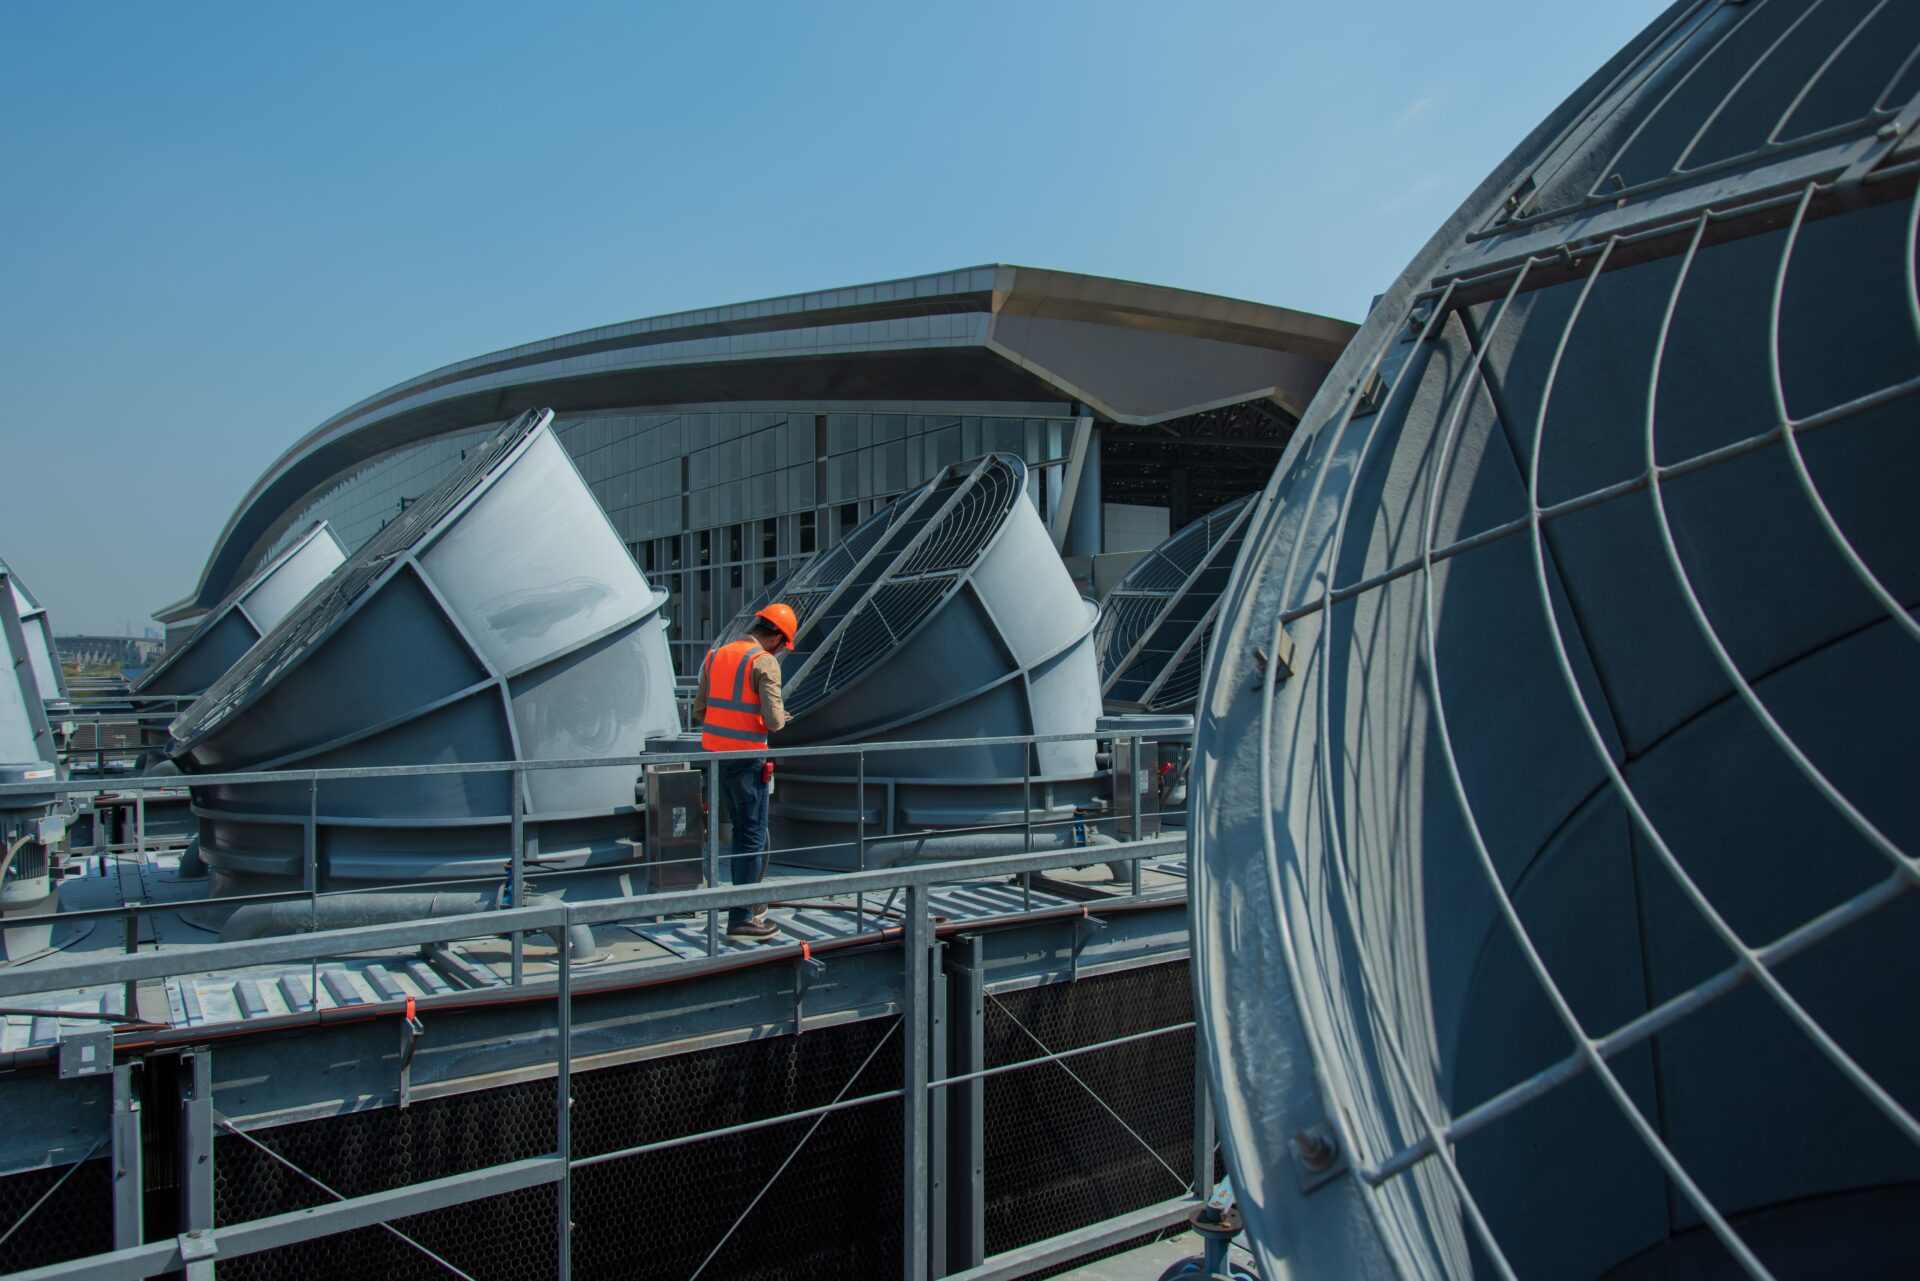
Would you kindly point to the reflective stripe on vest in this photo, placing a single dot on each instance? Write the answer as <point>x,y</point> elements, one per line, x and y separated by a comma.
<point>733,721</point>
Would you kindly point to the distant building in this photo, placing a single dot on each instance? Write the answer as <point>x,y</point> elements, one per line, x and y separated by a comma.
<point>107,651</point>
<point>726,444</point>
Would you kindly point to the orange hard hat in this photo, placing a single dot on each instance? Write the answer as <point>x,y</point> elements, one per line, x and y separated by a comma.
<point>780,614</point>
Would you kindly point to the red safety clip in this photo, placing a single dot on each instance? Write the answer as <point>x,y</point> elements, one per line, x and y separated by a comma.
<point>806,950</point>
<point>766,773</point>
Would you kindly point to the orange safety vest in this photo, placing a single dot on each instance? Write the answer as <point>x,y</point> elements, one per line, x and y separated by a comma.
<point>733,721</point>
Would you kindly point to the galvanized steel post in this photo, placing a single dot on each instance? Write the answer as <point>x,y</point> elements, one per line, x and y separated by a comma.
<point>310,842</point>
<point>517,872</point>
<point>860,829</point>
<point>915,1022</point>
<point>1135,833</point>
<point>1203,1135</point>
<point>713,852</point>
<point>124,1158</point>
<point>563,1111</point>
<point>965,964</point>
<point>196,1156</point>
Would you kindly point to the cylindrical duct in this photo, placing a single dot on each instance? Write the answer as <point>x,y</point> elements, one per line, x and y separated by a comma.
<point>1555,823</point>
<point>948,615</point>
<point>497,617</point>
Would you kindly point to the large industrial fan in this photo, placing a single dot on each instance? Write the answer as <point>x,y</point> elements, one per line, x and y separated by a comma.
<point>947,615</point>
<point>497,618</point>
<point>1555,797</point>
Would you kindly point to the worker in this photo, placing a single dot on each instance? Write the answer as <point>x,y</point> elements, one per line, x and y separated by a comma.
<point>737,704</point>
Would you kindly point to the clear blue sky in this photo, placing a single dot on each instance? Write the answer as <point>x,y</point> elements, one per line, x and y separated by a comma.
<point>223,222</point>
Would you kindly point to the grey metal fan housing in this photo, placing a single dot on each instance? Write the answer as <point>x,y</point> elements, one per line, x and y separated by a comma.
<point>497,618</point>
<point>1555,818</point>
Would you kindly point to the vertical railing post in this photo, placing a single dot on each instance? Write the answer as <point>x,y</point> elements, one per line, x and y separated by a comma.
<point>1203,1135</point>
<point>563,1108</point>
<point>196,1158</point>
<point>517,871</point>
<point>130,995</point>
<point>1026,822</point>
<point>310,842</point>
<point>1133,803</point>
<point>860,832</point>
<point>918,1062</point>
<point>713,852</point>
<point>139,829</point>
<point>938,1131</point>
<point>964,960</point>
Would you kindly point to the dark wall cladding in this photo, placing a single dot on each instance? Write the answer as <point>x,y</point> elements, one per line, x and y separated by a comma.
<point>1056,1157</point>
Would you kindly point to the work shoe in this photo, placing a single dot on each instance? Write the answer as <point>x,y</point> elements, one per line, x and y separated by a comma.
<point>758,930</point>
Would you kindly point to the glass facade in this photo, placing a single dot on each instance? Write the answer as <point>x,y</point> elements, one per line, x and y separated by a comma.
<point>715,504</point>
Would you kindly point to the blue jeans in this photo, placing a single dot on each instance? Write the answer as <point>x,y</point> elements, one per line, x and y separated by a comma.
<point>745,793</point>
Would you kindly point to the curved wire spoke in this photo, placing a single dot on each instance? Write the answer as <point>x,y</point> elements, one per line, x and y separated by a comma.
<point>1371,988</point>
<point>1776,382</point>
<point>1741,687</point>
<point>1746,956</point>
<point>1323,1036</point>
<point>1589,1050</point>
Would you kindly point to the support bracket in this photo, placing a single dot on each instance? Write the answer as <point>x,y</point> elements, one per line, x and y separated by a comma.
<point>807,970</point>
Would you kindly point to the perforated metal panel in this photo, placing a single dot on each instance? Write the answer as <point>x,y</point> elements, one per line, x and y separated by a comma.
<point>1091,1137</point>
<point>73,1220</point>
<point>1554,798</point>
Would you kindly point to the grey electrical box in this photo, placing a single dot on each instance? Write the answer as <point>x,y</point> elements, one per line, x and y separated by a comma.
<point>88,1053</point>
<point>676,828</point>
<point>1146,783</point>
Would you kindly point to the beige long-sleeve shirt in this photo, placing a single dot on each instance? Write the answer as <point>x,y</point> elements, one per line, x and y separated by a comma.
<point>765,675</point>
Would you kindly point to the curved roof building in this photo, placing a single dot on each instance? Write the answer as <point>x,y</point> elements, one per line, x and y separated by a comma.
<point>727,444</point>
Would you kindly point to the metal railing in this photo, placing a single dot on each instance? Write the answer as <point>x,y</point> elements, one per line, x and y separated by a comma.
<point>913,925</point>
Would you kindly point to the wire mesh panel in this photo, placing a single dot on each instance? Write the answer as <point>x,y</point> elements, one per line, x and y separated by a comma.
<point>813,1197</point>
<point>1096,1135</point>
<point>295,1167</point>
<point>51,1215</point>
<point>1555,772</point>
